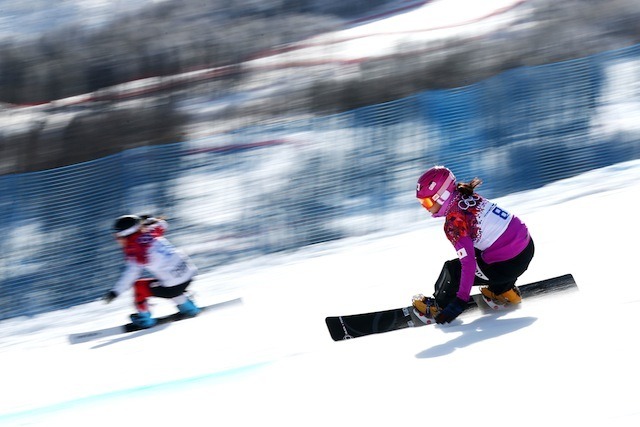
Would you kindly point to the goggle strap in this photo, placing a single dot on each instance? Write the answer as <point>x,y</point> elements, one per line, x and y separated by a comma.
<point>443,193</point>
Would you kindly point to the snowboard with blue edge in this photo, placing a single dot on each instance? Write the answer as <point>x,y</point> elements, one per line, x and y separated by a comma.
<point>359,325</point>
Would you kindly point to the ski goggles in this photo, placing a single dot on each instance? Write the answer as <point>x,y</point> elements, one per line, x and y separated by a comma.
<point>427,202</point>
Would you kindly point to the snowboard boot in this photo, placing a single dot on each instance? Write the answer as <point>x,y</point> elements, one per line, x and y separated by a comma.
<point>188,309</point>
<point>143,319</point>
<point>512,296</point>
<point>425,308</point>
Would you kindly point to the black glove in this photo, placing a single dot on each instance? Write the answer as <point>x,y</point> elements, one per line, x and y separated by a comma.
<point>451,311</point>
<point>109,296</point>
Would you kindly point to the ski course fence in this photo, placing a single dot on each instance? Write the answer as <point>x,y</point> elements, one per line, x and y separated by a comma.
<point>272,188</point>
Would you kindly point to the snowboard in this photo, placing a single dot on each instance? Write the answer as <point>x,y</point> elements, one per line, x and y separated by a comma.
<point>130,327</point>
<point>359,325</point>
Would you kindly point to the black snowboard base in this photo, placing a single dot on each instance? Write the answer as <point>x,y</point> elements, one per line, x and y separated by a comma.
<point>358,325</point>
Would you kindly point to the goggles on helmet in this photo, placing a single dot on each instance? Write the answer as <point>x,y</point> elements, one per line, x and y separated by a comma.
<point>427,202</point>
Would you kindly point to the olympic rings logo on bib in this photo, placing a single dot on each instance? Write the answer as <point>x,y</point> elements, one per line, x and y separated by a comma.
<point>467,202</point>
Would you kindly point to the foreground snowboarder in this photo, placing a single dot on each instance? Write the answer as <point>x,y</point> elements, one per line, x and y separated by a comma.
<point>144,246</point>
<point>494,247</point>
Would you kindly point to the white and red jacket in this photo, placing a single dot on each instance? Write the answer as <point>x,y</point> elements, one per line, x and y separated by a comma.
<point>148,250</point>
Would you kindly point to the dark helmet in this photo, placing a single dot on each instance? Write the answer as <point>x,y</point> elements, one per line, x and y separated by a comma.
<point>126,225</point>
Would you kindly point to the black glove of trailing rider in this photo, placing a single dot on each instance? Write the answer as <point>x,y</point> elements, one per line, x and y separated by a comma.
<point>451,311</point>
<point>109,296</point>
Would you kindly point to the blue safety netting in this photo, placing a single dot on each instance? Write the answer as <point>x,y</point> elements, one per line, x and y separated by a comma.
<point>270,188</point>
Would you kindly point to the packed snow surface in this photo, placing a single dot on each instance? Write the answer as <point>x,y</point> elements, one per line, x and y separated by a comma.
<point>270,360</point>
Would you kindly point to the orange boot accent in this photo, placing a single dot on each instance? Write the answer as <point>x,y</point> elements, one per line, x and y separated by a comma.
<point>425,305</point>
<point>512,296</point>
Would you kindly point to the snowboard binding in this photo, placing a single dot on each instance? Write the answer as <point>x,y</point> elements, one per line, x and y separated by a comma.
<point>510,298</point>
<point>425,308</point>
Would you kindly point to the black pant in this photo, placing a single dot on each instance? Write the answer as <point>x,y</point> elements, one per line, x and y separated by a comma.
<point>501,275</point>
<point>169,292</point>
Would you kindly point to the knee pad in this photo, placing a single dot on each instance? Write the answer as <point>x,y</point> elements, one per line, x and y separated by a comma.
<point>448,282</point>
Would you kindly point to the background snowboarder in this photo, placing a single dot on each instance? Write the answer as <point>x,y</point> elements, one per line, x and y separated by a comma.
<point>145,248</point>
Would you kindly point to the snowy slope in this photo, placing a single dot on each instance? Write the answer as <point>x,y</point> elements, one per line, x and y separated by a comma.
<point>567,359</point>
<point>431,21</point>
<point>271,361</point>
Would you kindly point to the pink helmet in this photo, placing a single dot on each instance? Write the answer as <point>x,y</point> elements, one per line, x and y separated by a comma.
<point>436,184</point>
